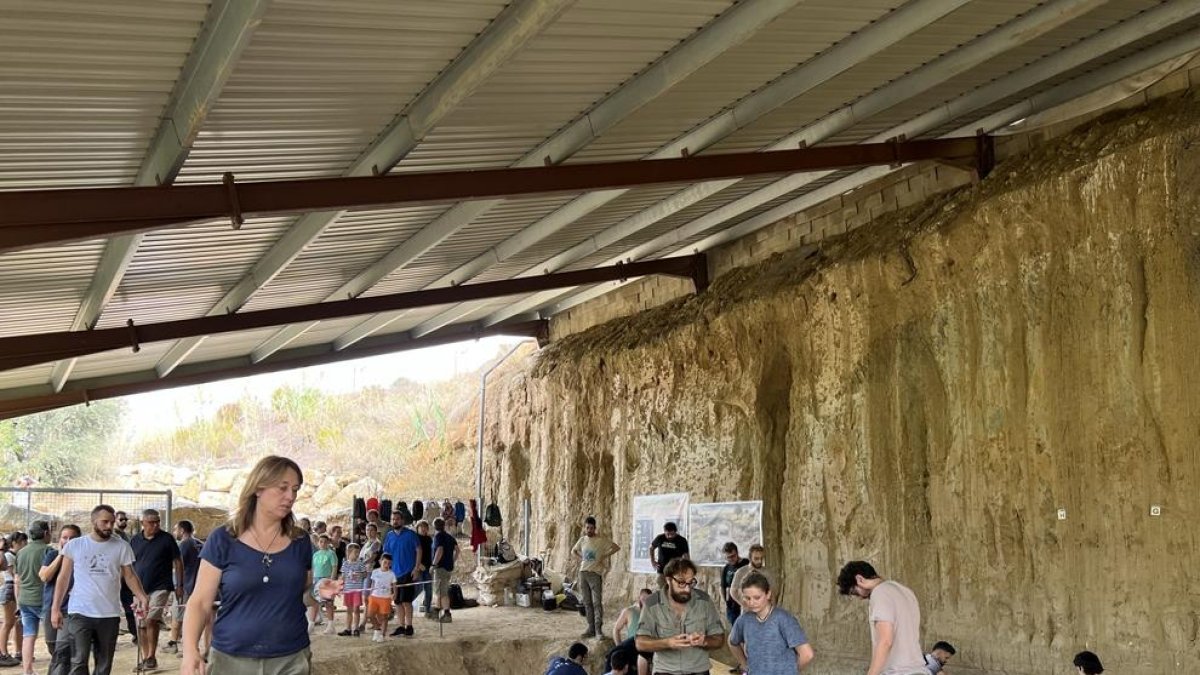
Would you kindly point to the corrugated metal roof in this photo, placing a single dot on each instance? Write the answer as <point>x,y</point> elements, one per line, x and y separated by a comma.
<point>82,85</point>
<point>82,88</point>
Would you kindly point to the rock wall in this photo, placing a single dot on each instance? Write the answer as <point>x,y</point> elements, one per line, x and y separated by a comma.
<point>323,494</point>
<point>925,393</point>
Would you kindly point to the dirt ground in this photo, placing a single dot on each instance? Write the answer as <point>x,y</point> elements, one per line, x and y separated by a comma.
<point>481,641</point>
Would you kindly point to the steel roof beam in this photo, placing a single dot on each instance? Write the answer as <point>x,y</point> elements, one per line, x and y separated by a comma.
<point>227,30</point>
<point>504,37</point>
<point>25,350</point>
<point>1175,47</point>
<point>1019,30</point>
<point>126,384</point>
<point>726,31</point>
<point>837,59</point>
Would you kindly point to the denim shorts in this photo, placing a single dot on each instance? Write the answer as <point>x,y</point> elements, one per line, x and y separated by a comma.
<point>31,619</point>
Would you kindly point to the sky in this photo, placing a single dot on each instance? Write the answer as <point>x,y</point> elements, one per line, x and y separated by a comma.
<point>162,410</point>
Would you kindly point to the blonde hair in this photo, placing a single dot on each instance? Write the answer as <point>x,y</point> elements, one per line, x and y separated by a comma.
<point>269,470</point>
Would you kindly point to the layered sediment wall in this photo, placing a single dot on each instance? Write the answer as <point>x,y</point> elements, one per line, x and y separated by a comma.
<point>926,392</point>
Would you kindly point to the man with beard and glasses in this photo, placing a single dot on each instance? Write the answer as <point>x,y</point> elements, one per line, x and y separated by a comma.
<point>680,624</point>
<point>95,564</point>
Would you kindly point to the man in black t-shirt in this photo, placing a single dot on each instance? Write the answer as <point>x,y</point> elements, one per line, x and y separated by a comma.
<point>445,552</point>
<point>733,562</point>
<point>157,564</point>
<point>668,545</point>
<point>426,569</point>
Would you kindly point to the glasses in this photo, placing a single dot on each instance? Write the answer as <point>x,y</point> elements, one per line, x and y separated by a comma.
<point>691,583</point>
<point>122,520</point>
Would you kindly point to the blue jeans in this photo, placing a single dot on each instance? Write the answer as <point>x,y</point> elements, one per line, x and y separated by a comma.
<point>31,619</point>
<point>427,588</point>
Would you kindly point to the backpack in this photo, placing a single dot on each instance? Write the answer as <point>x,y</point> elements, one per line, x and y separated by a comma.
<point>492,515</point>
<point>505,552</point>
<point>456,596</point>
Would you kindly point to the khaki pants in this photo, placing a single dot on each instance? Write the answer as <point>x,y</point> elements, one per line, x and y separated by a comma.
<point>299,663</point>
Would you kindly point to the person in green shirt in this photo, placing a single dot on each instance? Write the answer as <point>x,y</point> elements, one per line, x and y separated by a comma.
<point>324,563</point>
<point>29,587</point>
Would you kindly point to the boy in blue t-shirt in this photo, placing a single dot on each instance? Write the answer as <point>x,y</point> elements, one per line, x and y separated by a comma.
<point>770,635</point>
<point>324,564</point>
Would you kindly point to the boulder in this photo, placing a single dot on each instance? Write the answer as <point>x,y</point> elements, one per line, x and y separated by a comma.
<point>363,487</point>
<point>328,490</point>
<point>205,518</point>
<point>180,475</point>
<point>221,480</point>
<point>214,499</point>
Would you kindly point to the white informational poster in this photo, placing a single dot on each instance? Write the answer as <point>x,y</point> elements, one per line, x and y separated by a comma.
<point>650,513</point>
<point>711,525</point>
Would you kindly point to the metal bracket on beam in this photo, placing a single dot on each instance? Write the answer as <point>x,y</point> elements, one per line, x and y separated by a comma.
<point>133,336</point>
<point>235,208</point>
<point>700,272</point>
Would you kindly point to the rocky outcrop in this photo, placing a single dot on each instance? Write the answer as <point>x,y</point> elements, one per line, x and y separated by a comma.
<point>926,393</point>
<point>323,494</point>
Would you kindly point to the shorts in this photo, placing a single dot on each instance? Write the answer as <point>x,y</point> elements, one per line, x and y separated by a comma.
<point>178,610</point>
<point>406,593</point>
<point>379,606</point>
<point>7,594</point>
<point>158,605</point>
<point>31,619</point>
<point>353,599</point>
<point>441,582</point>
<point>299,663</point>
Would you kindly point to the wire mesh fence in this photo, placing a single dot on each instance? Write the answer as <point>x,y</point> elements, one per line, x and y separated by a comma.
<point>20,507</point>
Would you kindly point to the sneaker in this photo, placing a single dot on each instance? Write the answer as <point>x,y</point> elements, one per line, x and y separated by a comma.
<point>408,631</point>
<point>446,618</point>
<point>356,632</point>
<point>328,630</point>
<point>172,647</point>
<point>345,633</point>
<point>150,663</point>
<point>377,637</point>
<point>7,661</point>
<point>398,632</point>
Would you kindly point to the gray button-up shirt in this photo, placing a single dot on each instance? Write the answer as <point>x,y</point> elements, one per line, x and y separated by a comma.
<point>660,621</point>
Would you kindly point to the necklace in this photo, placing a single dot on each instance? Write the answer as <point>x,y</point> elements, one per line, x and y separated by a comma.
<point>266,559</point>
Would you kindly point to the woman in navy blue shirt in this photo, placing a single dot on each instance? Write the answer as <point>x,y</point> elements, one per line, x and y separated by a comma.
<point>260,566</point>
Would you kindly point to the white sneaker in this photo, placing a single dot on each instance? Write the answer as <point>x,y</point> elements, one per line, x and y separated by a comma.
<point>378,637</point>
<point>328,629</point>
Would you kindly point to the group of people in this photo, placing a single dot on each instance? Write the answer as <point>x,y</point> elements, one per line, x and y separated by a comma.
<point>382,577</point>
<point>81,616</point>
<point>675,630</point>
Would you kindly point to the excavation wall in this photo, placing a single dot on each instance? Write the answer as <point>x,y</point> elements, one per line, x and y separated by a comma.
<point>926,392</point>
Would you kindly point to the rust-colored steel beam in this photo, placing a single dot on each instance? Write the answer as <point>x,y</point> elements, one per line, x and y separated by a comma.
<point>25,350</point>
<point>40,217</point>
<point>85,391</point>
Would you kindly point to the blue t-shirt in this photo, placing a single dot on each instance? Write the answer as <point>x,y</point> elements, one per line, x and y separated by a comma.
<point>48,590</point>
<point>770,645</point>
<point>402,546</point>
<point>445,542</point>
<point>259,619</point>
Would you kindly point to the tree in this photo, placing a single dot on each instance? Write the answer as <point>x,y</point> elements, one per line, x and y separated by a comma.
<point>60,445</point>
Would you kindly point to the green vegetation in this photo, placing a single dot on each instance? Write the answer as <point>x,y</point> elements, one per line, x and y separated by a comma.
<point>60,446</point>
<point>411,437</point>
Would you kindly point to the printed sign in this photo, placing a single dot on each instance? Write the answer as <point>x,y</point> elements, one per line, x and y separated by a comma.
<point>711,525</point>
<point>650,513</point>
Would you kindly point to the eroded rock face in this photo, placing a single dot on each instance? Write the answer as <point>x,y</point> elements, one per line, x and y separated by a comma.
<point>925,393</point>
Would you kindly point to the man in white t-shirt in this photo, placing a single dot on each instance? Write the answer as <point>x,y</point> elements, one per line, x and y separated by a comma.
<point>895,618</point>
<point>593,552</point>
<point>96,565</point>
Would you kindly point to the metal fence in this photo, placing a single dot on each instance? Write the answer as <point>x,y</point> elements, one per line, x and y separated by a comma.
<point>20,507</point>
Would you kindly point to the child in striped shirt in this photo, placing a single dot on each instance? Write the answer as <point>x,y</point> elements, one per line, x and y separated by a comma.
<point>354,575</point>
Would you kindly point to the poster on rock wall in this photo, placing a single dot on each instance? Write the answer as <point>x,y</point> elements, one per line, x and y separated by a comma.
<point>711,525</point>
<point>650,513</point>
